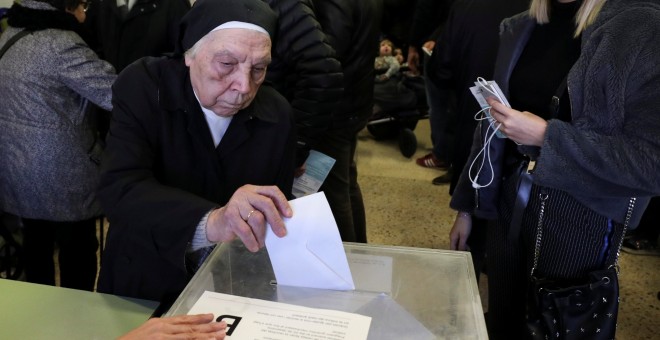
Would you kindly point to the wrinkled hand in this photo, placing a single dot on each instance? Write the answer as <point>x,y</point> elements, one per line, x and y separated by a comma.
<point>520,126</point>
<point>413,60</point>
<point>199,326</point>
<point>246,215</point>
<point>460,232</point>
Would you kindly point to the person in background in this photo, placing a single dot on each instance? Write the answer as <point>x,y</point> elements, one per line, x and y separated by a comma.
<point>386,65</point>
<point>590,157</point>
<point>306,72</point>
<point>430,18</point>
<point>465,50</point>
<point>127,30</point>
<point>398,54</point>
<point>199,152</point>
<point>48,145</point>
<point>352,28</point>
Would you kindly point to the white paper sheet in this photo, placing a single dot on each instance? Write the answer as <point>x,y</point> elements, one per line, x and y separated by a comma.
<point>253,319</point>
<point>311,254</point>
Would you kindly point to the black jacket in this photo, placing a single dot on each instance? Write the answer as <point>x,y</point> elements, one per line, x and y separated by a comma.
<point>428,21</point>
<point>353,28</point>
<point>465,50</point>
<point>161,172</point>
<point>608,153</point>
<point>305,69</point>
<point>149,29</point>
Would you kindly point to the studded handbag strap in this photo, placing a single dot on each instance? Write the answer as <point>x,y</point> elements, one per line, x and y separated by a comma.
<point>631,206</point>
<point>539,230</point>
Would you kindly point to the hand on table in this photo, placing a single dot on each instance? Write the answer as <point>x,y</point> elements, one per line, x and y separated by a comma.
<point>246,215</point>
<point>199,326</point>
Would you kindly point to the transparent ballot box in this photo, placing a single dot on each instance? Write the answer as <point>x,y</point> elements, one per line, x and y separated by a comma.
<point>410,293</point>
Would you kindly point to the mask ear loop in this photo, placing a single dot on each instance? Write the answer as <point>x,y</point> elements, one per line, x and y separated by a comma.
<point>485,150</point>
<point>485,86</point>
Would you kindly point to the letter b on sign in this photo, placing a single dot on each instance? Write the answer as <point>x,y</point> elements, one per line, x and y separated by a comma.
<point>230,326</point>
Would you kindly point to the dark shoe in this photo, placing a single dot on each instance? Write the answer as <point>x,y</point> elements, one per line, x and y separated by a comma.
<point>444,179</point>
<point>430,161</point>
<point>640,246</point>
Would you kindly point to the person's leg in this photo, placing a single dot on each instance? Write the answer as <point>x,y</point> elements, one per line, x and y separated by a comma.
<point>438,121</point>
<point>77,258</point>
<point>38,245</point>
<point>357,204</point>
<point>337,144</point>
<point>477,243</point>
<point>507,284</point>
<point>507,274</point>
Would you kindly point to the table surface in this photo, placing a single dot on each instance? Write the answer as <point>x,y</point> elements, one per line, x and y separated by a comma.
<point>34,311</point>
<point>430,293</point>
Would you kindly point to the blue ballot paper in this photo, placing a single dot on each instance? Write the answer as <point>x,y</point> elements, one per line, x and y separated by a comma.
<point>318,166</point>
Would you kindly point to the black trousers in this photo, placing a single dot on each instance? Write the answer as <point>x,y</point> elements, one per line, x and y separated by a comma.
<point>575,240</point>
<point>77,245</point>
<point>341,187</point>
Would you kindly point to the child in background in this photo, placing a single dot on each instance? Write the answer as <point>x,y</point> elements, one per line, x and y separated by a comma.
<point>386,65</point>
<point>398,54</point>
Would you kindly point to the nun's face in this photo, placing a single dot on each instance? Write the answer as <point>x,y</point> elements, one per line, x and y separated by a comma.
<point>228,68</point>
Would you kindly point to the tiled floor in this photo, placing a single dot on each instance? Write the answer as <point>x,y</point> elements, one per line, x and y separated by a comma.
<point>404,208</point>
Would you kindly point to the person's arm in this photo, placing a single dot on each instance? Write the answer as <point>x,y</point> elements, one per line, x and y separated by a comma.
<point>460,231</point>
<point>81,70</point>
<point>200,326</point>
<point>394,67</point>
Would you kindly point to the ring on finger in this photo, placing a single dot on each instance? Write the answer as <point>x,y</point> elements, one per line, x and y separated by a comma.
<point>248,215</point>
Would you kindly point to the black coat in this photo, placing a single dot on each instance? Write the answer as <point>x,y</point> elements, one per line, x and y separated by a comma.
<point>467,49</point>
<point>149,29</point>
<point>305,70</point>
<point>161,172</point>
<point>352,28</point>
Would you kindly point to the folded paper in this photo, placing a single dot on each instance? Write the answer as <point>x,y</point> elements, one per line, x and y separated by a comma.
<point>311,254</point>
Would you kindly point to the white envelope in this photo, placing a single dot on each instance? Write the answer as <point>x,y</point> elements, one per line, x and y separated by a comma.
<point>311,254</point>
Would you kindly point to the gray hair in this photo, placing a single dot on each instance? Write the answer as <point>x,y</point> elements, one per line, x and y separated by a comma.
<point>192,51</point>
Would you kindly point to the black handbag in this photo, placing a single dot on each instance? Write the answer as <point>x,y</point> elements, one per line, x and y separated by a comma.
<point>574,309</point>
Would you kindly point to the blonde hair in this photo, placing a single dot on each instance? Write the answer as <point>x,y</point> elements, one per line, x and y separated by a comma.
<point>586,15</point>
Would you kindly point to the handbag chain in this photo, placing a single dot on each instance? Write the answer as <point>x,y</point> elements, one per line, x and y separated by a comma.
<point>543,196</point>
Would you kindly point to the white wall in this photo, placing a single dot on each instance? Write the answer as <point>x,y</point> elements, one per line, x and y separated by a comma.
<point>6,3</point>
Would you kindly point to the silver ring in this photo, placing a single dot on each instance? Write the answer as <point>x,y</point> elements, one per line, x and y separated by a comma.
<point>248,216</point>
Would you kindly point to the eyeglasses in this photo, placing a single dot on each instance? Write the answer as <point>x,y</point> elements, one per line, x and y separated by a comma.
<point>85,5</point>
